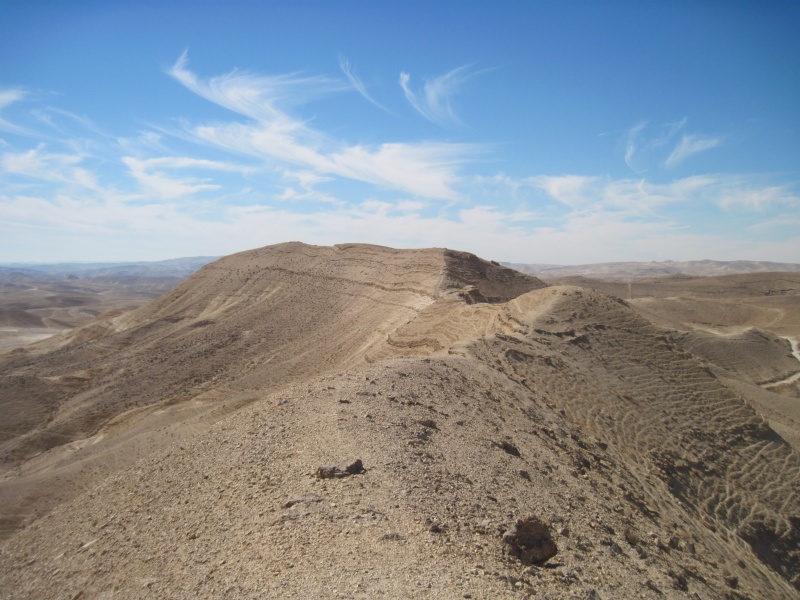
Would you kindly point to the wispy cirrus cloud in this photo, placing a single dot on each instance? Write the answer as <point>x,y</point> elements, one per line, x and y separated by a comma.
<point>434,101</point>
<point>260,97</point>
<point>631,145</point>
<point>689,145</point>
<point>641,149</point>
<point>142,144</point>
<point>183,162</point>
<point>740,194</point>
<point>39,164</point>
<point>153,176</point>
<point>303,186</point>
<point>7,98</point>
<point>597,194</point>
<point>584,194</point>
<point>642,198</point>
<point>424,169</point>
<point>34,119</point>
<point>574,191</point>
<point>357,84</point>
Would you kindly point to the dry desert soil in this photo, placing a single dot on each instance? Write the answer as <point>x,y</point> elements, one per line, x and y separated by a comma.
<point>361,422</point>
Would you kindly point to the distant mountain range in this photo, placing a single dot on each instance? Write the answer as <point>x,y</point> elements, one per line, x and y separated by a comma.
<point>623,270</point>
<point>175,267</point>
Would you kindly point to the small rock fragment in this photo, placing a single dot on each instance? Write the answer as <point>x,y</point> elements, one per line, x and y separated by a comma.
<point>530,541</point>
<point>508,447</point>
<point>303,499</point>
<point>632,537</point>
<point>356,468</point>
<point>338,472</point>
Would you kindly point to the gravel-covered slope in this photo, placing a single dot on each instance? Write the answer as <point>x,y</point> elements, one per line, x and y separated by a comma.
<point>654,478</point>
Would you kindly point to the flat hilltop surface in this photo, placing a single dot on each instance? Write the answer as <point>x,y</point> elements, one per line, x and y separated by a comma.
<point>360,422</point>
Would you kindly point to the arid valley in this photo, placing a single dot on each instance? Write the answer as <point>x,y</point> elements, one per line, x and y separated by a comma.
<point>356,421</point>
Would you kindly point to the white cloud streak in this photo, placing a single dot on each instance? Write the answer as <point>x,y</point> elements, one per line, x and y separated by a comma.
<point>307,182</point>
<point>158,184</point>
<point>256,96</point>
<point>631,144</point>
<point>640,149</point>
<point>641,198</point>
<point>435,101</point>
<point>41,165</point>
<point>423,169</point>
<point>738,195</point>
<point>357,84</point>
<point>153,180</point>
<point>689,145</point>
<point>7,98</point>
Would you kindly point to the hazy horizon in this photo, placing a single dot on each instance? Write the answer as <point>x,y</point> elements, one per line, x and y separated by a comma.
<point>11,264</point>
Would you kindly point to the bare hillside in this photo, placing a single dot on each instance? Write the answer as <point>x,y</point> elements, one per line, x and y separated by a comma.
<point>357,422</point>
<point>744,326</point>
<point>250,322</point>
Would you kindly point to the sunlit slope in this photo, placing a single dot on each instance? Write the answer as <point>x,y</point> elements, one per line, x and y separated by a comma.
<point>752,355</point>
<point>254,319</point>
<point>257,320</point>
<point>657,479</point>
<point>691,440</point>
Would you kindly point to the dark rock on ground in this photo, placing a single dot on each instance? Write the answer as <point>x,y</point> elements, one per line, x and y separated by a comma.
<point>530,541</point>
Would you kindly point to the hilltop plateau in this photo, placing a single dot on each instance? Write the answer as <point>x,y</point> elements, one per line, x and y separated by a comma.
<point>357,422</point>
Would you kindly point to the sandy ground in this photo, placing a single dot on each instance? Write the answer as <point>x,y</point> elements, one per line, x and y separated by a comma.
<point>15,337</point>
<point>34,306</point>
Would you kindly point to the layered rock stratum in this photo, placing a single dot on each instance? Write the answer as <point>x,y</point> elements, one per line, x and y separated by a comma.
<point>175,451</point>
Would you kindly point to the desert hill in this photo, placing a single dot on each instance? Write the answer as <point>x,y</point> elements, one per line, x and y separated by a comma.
<point>249,322</point>
<point>179,447</point>
<point>746,327</point>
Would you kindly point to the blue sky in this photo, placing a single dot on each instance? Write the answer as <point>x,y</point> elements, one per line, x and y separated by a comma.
<point>542,132</point>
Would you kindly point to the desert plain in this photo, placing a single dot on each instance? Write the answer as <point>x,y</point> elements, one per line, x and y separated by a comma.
<point>357,421</point>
